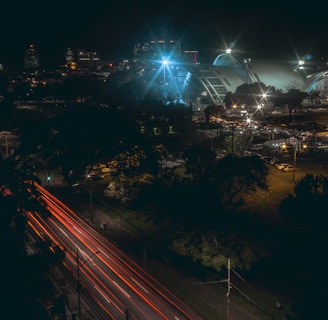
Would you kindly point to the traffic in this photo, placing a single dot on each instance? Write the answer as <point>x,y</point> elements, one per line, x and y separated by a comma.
<point>113,280</point>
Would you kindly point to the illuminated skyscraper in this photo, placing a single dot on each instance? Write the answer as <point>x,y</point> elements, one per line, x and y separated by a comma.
<point>31,58</point>
<point>88,59</point>
<point>70,61</point>
<point>191,56</point>
<point>157,49</point>
<point>69,56</point>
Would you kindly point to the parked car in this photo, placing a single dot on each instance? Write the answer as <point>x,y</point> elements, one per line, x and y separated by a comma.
<point>267,159</point>
<point>273,161</point>
<point>288,168</point>
<point>281,165</point>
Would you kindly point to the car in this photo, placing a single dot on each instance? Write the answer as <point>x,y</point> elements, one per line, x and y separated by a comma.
<point>267,159</point>
<point>273,161</point>
<point>288,168</point>
<point>281,165</point>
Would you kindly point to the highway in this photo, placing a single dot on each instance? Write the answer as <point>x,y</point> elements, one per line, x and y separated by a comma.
<point>115,282</point>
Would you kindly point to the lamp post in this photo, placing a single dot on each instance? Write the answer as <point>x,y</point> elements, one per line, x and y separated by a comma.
<point>48,178</point>
<point>295,151</point>
<point>297,146</point>
<point>79,265</point>
<point>229,287</point>
<point>90,195</point>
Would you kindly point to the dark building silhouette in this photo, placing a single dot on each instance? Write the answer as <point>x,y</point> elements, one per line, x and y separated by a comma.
<point>31,58</point>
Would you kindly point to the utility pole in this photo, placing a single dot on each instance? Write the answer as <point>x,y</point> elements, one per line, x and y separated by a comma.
<point>229,284</point>
<point>7,153</point>
<point>295,151</point>
<point>298,147</point>
<point>90,195</point>
<point>229,287</point>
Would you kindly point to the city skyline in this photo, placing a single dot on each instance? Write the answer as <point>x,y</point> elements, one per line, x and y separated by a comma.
<point>285,30</point>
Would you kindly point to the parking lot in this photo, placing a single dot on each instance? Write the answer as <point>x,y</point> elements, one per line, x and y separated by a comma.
<point>281,183</point>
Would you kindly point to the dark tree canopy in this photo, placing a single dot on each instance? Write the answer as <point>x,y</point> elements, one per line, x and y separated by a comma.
<point>234,176</point>
<point>306,206</point>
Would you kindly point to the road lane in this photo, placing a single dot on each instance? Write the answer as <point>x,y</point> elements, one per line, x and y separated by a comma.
<point>111,270</point>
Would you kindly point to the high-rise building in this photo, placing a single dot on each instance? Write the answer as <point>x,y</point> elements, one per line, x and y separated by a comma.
<point>157,49</point>
<point>191,56</point>
<point>69,56</point>
<point>88,60</point>
<point>31,58</point>
<point>70,60</point>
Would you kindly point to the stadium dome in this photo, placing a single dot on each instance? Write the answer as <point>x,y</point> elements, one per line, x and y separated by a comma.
<point>317,82</point>
<point>228,72</point>
<point>182,79</point>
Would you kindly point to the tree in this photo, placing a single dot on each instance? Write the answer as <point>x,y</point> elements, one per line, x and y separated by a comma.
<point>305,211</point>
<point>210,248</point>
<point>18,194</point>
<point>198,157</point>
<point>248,94</point>
<point>292,99</point>
<point>213,111</point>
<point>236,143</point>
<point>97,134</point>
<point>24,287</point>
<point>297,208</point>
<point>234,177</point>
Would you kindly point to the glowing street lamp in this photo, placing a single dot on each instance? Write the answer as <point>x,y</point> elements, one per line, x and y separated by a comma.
<point>284,147</point>
<point>301,64</point>
<point>297,146</point>
<point>48,179</point>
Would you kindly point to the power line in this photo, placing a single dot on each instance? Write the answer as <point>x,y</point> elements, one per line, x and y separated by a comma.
<point>229,285</point>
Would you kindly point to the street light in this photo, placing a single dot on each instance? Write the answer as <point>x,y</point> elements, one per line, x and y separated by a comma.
<point>90,194</point>
<point>48,178</point>
<point>301,64</point>
<point>79,265</point>
<point>297,146</point>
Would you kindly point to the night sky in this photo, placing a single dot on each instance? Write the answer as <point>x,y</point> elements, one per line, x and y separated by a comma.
<point>283,29</point>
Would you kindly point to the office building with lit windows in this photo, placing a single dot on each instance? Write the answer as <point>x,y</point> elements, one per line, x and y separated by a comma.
<point>31,58</point>
<point>88,60</point>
